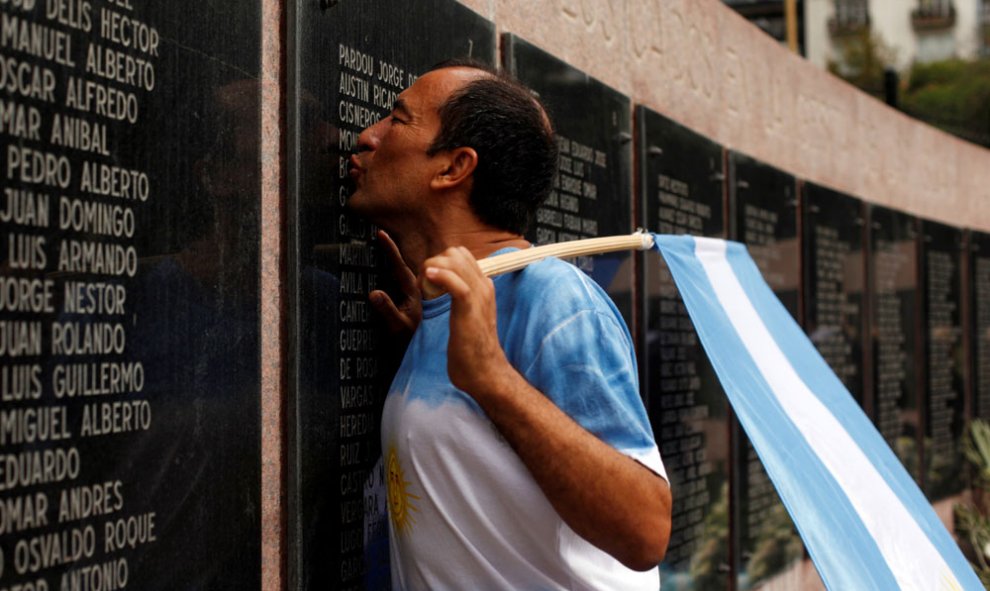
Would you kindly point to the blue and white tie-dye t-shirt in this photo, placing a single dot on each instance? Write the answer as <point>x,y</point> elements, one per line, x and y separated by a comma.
<point>464,511</point>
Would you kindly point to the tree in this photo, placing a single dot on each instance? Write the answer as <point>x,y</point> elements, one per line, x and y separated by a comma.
<point>863,58</point>
<point>953,95</point>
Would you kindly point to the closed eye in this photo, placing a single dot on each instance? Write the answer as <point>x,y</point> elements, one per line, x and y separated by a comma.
<point>399,107</point>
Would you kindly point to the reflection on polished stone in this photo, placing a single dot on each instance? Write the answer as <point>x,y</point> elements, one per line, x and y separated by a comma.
<point>682,188</point>
<point>763,201</point>
<point>834,281</point>
<point>980,326</point>
<point>131,223</point>
<point>944,404</point>
<point>894,302</point>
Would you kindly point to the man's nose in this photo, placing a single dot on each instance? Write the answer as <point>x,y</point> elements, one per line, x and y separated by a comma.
<point>369,139</point>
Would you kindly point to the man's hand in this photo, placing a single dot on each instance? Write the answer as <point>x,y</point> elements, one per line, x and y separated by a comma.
<point>609,499</point>
<point>401,318</point>
<point>475,360</point>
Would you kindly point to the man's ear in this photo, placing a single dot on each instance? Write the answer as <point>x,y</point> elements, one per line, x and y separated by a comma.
<point>458,168</point>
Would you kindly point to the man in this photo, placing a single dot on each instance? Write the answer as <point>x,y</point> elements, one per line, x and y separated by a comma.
<point>516,448</point>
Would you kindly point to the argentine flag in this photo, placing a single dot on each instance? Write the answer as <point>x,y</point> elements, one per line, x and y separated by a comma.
<point>863,519</point>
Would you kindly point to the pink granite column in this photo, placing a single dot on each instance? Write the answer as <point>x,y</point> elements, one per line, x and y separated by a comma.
<point>272,271</point>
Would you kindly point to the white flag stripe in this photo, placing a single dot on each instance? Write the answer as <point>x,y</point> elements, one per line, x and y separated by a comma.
<point>912,558</point>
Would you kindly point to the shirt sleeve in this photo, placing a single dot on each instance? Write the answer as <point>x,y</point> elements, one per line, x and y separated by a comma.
<point>585,365</point>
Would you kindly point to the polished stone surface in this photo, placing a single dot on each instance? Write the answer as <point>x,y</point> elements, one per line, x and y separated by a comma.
<point>763,203</point>
<point>895,305</point>
<point>146,368</point>
<point>682,184</point>
<point>944,368</point>
<point>834,269</point>
<point>979,291</point>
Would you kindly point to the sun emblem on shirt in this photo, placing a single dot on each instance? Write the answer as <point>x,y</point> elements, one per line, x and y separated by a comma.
<point>400,500</point>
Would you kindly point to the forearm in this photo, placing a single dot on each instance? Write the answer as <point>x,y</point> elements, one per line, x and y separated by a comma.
<point>606,497</point>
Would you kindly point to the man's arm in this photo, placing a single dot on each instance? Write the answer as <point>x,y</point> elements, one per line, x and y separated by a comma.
<point>605,496</point>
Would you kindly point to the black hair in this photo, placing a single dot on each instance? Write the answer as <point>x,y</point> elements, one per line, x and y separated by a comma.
<point>510,129</point>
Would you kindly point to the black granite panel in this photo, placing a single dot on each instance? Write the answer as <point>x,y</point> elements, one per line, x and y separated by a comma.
<point>980,342</point>
<point>894,307</point>
<point>129,344</point>
<point>592,195</point>
<point>348,62</point>
<point>834,268</point>
<point>944,366</point>
<point>682,183</point>
<point>763,205</point>
<point>768,550</point>
<point>763,201</point>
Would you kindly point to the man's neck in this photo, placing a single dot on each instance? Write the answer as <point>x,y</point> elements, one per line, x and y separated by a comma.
<point>417,246</point>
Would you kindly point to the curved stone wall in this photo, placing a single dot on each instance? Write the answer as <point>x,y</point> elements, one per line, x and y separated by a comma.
<point>701,64</point>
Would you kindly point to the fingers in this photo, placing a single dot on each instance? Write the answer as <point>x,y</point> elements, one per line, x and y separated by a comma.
<point>391,249</point>
<point>448,281</point>
<point>401,316</point>
<point>429,289</point>
<point>400,270</point>
<point>395,320</point>
<point>456,272</point>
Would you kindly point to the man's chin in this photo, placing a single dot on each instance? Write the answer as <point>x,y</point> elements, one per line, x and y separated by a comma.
<point>353,199</point>
<point>358,204</point>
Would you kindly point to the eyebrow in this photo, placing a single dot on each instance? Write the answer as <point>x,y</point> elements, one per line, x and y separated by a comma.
<point>400,105</point>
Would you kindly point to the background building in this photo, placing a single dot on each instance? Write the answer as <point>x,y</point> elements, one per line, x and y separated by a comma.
<point>922,32</point>
<point>771,17</point>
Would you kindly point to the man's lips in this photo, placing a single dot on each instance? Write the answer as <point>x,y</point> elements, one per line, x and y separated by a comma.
<point>355,169</point>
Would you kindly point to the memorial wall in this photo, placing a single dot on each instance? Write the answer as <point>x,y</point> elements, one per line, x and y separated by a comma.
<point>131,271</point>
<point>979,342</point>
<point>944,382</point>
<point>703,65</point>
<point>834,275</point>
<point>129,334</point>
<point>894,318</point>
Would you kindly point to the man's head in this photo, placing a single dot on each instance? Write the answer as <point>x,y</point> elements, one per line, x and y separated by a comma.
<point>460,127</point>
<point>512,134</point>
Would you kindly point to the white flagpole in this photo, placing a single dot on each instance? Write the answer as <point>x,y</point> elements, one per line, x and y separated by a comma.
<point>515,260</point>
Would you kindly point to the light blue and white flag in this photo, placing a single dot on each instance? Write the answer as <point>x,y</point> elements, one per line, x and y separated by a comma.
<point>864,521</point>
